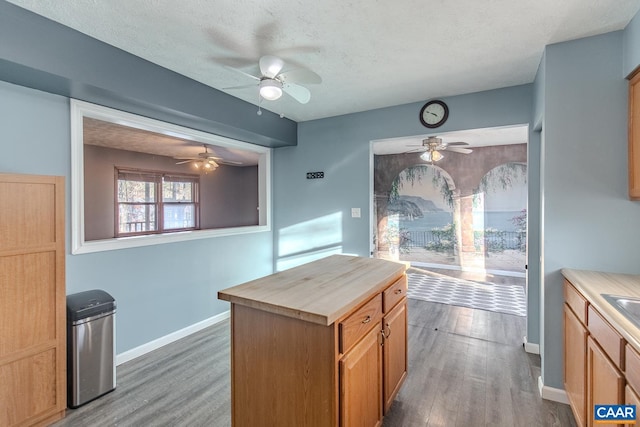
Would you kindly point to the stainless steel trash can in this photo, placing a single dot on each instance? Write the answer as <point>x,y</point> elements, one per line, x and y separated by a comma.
<point>91,370</point>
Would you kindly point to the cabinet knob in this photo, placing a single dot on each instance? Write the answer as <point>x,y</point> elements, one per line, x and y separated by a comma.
<point>367,319</point>
<point>386,333</point>
<point>397,291</point>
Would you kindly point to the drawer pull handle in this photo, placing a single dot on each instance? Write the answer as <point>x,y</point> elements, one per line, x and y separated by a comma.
<point>367,319</point>
<point>398,291</point>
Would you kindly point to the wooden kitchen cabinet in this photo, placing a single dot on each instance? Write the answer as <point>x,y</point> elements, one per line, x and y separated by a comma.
<point>575,364</point>
<point>613,343</point>
<point>604,379</point>
<point>634,136</point>
<point>310,346</point>
<point>361,383</point>
<point>32,300</point>
<point>394,352</point>
<point>593,358</point>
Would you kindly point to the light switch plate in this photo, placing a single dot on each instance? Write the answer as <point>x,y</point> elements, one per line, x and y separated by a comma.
<point>355,212</point>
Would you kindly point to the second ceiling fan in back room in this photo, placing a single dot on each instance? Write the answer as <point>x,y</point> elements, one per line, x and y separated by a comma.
<point>275,79</point>
<point>432,148</point>
<point>206,161</point>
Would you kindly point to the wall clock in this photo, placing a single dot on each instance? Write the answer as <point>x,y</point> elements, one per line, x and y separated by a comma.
<point>434,113</point>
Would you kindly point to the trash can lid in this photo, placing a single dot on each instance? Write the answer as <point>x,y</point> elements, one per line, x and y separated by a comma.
<point>89,303</point>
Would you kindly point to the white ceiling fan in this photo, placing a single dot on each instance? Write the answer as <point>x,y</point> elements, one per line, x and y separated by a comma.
<point>433,146</point>
<point>206,161</point>
<point>273,81</point>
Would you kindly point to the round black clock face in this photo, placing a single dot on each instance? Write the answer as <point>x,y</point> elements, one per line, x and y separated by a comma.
<point>434,113</point>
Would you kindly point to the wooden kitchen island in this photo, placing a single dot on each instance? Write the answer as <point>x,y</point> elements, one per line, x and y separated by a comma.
<point>322,344</point>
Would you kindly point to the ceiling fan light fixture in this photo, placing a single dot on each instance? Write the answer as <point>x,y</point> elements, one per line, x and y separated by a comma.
<point>270,89</point>
<point>209,164</point>
<point>206,165</point>
<point>436,156</point>
<point>431,156</point>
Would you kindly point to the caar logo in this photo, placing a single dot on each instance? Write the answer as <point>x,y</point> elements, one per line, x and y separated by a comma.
<point>620,413</point>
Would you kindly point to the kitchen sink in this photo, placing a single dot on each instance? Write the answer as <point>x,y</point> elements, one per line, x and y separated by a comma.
<point>628,306</point>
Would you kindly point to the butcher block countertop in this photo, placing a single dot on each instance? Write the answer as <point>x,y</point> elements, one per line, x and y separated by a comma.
<point>321,291</point>
<point>592,284</point>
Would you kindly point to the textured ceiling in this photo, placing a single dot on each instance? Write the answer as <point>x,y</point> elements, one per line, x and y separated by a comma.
<point>119,137</point>
<point>370,54</point>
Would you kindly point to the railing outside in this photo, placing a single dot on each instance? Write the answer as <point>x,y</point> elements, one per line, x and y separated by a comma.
<point>493,240</point>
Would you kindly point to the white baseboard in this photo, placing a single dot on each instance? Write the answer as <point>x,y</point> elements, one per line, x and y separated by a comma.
<point>551,393</point>
<point>168,339</point>
<point>530,347</point>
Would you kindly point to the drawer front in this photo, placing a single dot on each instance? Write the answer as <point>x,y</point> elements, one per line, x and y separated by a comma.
<point>394,294</point>
<point>354,327</point>
<point>576,301</point>
<point>610,341</point>
<point>632,367</point>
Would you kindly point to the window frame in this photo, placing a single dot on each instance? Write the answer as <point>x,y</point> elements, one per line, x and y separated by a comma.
<point>81,109</point>
<point>158,178</point>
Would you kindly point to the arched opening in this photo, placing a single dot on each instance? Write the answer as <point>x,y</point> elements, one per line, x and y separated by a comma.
<point>500,218</point>
<point>419,222</point>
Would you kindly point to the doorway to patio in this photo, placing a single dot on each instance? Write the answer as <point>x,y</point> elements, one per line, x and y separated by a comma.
<point>459,221</point>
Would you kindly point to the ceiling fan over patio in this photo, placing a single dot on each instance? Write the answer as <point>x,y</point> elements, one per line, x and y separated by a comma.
<point>433,146</point>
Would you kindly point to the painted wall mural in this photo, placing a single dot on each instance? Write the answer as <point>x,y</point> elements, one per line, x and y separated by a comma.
<point>468,214</point>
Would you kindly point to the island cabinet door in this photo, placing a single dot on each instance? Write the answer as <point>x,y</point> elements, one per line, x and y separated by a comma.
<point>361,383</point>
<point>394,352</point>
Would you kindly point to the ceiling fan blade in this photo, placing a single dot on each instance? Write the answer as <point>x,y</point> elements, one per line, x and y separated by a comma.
<point>300,75</point>
<point>297,92</point>
<point>457,143</point>
<point>220,159</point>
<point>459,150</point>
<point>270,66</point>
<point>184,161</point>
<point>243,73</point>
<point>239,87</point>
<point>228,162</point>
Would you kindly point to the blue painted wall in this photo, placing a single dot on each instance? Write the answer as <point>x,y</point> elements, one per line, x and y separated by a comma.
<point>589,223</point>
<point>340,146</point>
<point>631,46</point>
<point>158,289</point>
<point>534,226</point>
<point>533,233</point>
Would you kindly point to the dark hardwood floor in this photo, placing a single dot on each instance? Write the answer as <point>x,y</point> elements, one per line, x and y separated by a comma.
<point>467,368</point>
